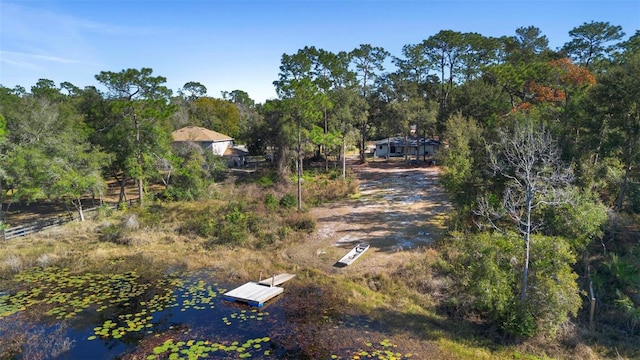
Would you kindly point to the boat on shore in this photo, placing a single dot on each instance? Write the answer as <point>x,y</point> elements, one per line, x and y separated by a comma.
<point>354,254</point>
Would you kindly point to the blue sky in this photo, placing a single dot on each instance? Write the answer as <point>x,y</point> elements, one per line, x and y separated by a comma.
<point>237,44</point>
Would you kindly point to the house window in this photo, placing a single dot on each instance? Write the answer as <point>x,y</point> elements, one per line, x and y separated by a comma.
<point>380,147</point>
<point>392,149</point>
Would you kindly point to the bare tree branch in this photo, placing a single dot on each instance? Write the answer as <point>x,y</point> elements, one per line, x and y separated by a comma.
<point>528,159</point>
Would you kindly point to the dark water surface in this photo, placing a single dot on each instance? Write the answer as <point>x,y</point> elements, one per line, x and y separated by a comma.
<point>59,315</point>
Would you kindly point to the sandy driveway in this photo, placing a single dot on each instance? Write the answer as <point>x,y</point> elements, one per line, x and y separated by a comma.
<point>399,209</point>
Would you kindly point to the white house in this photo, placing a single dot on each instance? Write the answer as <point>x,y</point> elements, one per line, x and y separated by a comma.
<point>207,139</point>
<point>399,146</point>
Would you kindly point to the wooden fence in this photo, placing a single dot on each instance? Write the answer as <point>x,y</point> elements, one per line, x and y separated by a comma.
<point>23,230</point>
<point>40,225</point>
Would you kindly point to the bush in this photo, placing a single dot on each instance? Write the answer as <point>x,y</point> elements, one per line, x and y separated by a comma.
<point>518,320</point>
<point>326,187</point>
<point>284,232</point>
<point>301,222</point>
<point>267,179</point>
<point>271,202</point>
<point>175,193</point>
<point>103,211</point>
<point>288,201</point>
<point>488,274</point>
<point>149,216</point>
<point>203,224</point>
<point>233,225</point>
<point>232,233</point>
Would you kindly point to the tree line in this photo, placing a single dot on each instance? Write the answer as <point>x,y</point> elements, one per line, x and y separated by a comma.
<point>541,159</point>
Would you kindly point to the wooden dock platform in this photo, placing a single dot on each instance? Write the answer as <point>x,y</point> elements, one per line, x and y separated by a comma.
<point>253,293</point>
<point>257,293</point>
<point>277,279</point>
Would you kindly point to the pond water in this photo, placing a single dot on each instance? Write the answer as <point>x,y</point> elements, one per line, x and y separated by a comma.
<point>93,316</point>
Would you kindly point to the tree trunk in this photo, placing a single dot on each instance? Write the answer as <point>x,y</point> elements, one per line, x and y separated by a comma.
<point>405,150</point>
<point>139,158</point>
<point>78,205</point>
<point>299,183</point>
<point>123,183</point>
<point>1,205</point>
<point>424,145</point>
<point>363,142</point>
<point>344,158</point>
<point>388,148</point>
<point>299,168</point>
<point>417,144</point>
<point>325,147</point>
<point>283,163</point>
<point>527,241</point>
<point>623,188</point>
<point>140,191</point>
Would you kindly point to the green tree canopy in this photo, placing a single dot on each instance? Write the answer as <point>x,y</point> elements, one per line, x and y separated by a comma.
<point>140,133</point>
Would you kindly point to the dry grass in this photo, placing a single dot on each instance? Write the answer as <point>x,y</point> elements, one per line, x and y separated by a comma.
<point>398,291</point>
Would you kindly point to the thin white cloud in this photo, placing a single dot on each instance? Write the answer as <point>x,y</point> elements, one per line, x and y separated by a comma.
<point>32,35</point>
<point>19,64</point>
<point>7,55</point>
<point>41,39</point>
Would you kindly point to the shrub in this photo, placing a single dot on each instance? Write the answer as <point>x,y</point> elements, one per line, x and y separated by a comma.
<point>202,224</point>
<point>270,202</point>
<point>175,193</point>
<point>233,225</point>
<point>488,272</point>
<point>14,263</point>
<point>288,201</point>
<point>104,211</point>
<point>284,232</point>
<point>267,179</point>
<point>301,222</point>
<point>148,216</point>
<point>109,232</point>
<point>230,233</point>
<point>518,320</point>
<point>327,187</point>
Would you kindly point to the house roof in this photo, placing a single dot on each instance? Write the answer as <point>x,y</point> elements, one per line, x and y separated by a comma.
<point>196,133</point>
<point>234,151</point>
<point>412,141</point>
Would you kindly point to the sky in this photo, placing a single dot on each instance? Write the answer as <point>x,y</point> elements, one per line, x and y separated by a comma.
<point>231,45</point>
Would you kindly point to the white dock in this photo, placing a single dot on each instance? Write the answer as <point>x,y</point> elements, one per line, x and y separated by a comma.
<point>277,279</point>
<point>253,293</point>
<point>257,293</point>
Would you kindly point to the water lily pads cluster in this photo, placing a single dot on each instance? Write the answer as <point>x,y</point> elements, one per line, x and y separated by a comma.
<point>382,351</point>
<point>195,294</point>
<point>127,304</point>
<point>129,324</point>
<point>11,304</point>
<point>63,295</point>
<point>245,315</point>
<point>198,294</point>
<point>193,349</point>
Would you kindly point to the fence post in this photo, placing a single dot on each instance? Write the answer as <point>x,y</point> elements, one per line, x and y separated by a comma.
<point>4,234</point>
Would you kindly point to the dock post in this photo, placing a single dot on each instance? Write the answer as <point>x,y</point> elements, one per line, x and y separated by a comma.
<point>260,276</point>
<point>273,279</point>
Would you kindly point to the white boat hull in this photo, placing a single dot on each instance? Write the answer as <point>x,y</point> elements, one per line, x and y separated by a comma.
<point>354,254</point>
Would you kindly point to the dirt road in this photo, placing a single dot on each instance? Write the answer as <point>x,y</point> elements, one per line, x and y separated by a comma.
<point>400,208</point>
